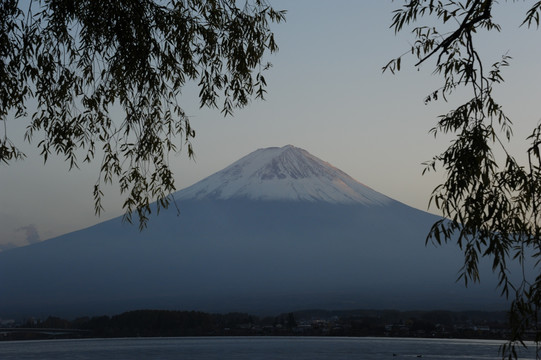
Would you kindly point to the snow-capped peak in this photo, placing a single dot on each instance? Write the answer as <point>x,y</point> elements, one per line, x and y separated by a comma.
<point>286,173</point>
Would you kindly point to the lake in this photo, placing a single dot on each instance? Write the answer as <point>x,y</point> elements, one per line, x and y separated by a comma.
<point>264,348</point>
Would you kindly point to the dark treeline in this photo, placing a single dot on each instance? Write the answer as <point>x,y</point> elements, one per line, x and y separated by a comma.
<point>152,323</point>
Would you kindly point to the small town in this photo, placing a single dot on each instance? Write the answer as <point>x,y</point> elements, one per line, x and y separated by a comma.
<point>355,323</point>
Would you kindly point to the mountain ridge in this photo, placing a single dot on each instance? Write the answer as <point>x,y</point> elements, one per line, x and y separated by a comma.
<point>286,173</point>
<point>229,252</point>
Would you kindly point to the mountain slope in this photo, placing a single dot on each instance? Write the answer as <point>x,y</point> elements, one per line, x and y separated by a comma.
<point>286,173</point>
<point>241,244</point>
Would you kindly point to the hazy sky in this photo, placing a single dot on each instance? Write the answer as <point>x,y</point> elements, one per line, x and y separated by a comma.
<point>326,94</point>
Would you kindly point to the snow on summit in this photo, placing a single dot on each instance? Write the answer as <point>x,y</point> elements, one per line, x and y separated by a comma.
<point>286,173</point>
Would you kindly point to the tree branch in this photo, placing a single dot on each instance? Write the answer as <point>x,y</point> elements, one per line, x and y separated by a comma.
<point>444,45</point>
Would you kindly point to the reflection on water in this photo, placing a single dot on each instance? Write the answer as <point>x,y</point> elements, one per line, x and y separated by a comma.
<point>275,348</point>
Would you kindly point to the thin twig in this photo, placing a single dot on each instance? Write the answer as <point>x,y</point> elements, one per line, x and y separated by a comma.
<point>444,45</point>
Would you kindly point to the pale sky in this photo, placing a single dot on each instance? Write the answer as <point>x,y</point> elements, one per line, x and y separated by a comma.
<point>326,94</point>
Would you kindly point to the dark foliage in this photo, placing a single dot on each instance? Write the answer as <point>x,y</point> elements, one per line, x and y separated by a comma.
<point>159,323</point>
<point>66,66</point>
<point>492,201</point>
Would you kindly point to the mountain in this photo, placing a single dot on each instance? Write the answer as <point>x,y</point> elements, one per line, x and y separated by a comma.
<point>278,230</point>
<point>285,174</point>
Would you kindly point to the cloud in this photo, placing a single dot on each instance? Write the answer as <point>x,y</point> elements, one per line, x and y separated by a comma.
<point>32,235</point>
<point>24,235</point>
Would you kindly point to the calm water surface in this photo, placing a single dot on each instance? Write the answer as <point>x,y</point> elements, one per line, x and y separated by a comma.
<point>276,348</point>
